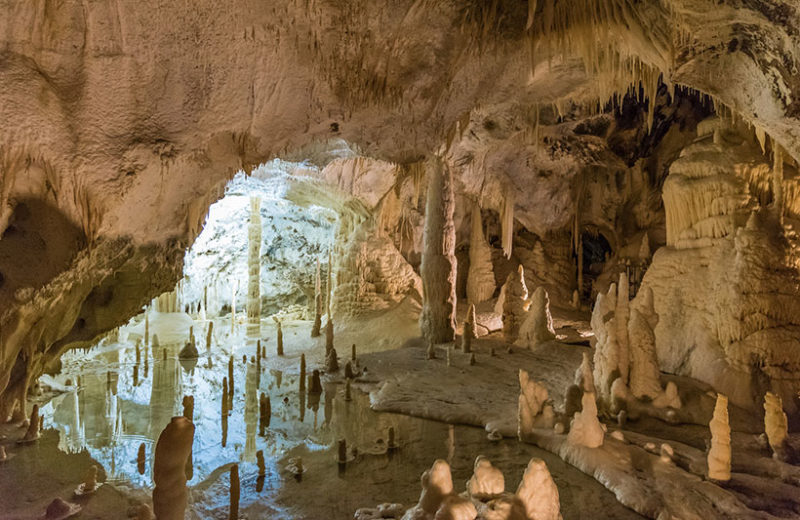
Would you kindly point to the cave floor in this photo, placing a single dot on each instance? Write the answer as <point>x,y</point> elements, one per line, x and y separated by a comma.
<point>102,412</point>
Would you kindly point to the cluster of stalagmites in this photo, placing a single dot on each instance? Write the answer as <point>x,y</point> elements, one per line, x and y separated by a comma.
<point>625,362</point>
<point>526,321</point>
<point>536,497</point>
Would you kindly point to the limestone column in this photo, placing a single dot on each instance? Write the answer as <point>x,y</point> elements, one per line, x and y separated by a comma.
<point>254,265</point>
<point>438,269</point>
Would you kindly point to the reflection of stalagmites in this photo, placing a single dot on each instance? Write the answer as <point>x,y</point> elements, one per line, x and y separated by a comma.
<point>719,456</point>
<point>438,267</point>
<point>140,459</point>
<point>331,361</point>
<point>189,351</point>
<point>188,407</point>
<point>33,426</point>
<point>437,483</point>
<point>315,385</point>
<point>172,451</point>
<point>515,304</point>
<point>480,278</point>
<point>469,332</point>
<point>233,513</point>
<point>302,372</point>
<point>280,337</point>
<point>775,425</point>
<point>585,429</point>
<point>262,468</point>
<point>538,493</point>
<point>486,481</point>
<point>264,413</point>
<point>583,376</point>
<point>209,334</point>
<point>537,326</point>
<point>456,508</point>
<point>534,409</point>
<point>315,329</point>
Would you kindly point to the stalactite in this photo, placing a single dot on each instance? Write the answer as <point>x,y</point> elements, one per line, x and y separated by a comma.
<point>777,180</point>
<point>254,265</point>
<point>438,268</point>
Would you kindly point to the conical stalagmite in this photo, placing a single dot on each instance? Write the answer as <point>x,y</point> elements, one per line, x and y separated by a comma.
<point>644,374</point>
<point>438,268</point>
<point>719,456</point>
<point>775,425</point>
<point>514,304</point>
<point>537,325</point>
<point>538,492</point>
<point>230,378</point>
<point>480,278</point>
<point>280,338</point>
<point>172,451</point>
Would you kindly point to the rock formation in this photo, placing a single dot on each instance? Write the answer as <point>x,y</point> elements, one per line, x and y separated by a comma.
<point>254,266</point>
<point>315,329</point>
<point>719,455</point>
<point>438,269</point>
<point>534,409</point>
<point>437,484</point>
<point>584,378</point>
<point>486,481</point>
<point>537,326</point>
<point>585,429</point>
<point>644,373</point>
<point>515,304</point>
<point>233,511</point>
<point>776,426</point>
<point>172,451</point>
<point>480,278</point>
<point>538,493</point>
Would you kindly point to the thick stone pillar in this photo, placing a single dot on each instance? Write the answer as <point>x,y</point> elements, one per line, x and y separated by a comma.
<point>438,269</point>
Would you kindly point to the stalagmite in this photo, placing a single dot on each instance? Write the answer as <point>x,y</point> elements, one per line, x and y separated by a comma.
<point>469,332</point>
<point>538,492</point>
<point>172,451</point>
<point>644,249</point>
<point>225,396</point>
<point>534,409</point>
<point>146,327</point>
<point>315,329</point>
<point>348,396</point>
<point>507,222</point>
<point>480,278</point>
<point>89,481</point>
<point>254,265</point>
<point>438,268</point>
<point>585,429</point>
<point>329,335</point>
<point>515,304</point>
<point>233,512</point>
<point>437,484</point>
<point>230,378</point>
<point>621,315</point>
<point>644,373</point>
<point>583,376</point>
<point>342,455</point>
<point>606,350</point>
<point>719,456</point>
<point>486,481</point>
<point>189,351</point>
<point>329,285</point>
<point>776,425</point>
<point>537,326</point>
<point>348,371</point>
<point>209,335</point>
<point>353,354</point>
<point>138,353</point>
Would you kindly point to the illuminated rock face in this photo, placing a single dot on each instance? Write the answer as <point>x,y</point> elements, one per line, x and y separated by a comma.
<point>133,133</point>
